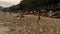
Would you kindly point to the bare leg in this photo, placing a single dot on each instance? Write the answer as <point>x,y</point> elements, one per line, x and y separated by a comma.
<point>38,17</point>
<point>21,16</point>
<point>38,25</point>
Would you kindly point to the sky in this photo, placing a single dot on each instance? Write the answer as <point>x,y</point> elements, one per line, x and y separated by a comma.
<point>12,1</point>
<point>8,3</point>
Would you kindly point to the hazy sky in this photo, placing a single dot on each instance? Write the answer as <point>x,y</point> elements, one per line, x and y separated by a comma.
<point>13,1</point>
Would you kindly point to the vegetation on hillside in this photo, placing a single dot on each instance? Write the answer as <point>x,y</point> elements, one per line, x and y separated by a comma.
<point>32,4</point>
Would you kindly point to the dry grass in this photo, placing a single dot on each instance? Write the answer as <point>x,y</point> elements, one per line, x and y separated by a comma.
<point>28,25</point>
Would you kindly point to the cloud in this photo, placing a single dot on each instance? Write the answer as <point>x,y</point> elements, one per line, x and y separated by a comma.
<point>13,1</point>
<point>5,4</point>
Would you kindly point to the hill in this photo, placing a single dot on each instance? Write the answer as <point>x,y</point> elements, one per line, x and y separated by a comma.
<point>10,24</point>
